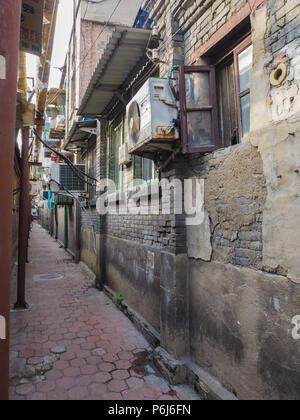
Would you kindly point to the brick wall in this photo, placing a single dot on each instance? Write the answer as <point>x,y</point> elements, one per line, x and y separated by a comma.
<point>93,40</point>
<point>198,24</point>
<point>282,44</point>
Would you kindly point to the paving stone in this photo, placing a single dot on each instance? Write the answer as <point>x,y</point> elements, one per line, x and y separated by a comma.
<point>120,374</point>
<point>25,389</point>
<point>65,383</point>
<point>58,349</point>
<point>117,385</point>
<point>90,349</point>
<point>78,393</point>
<point>102,377</point>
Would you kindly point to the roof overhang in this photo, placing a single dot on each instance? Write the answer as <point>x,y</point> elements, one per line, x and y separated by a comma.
<point>126,47</point>
<point>80,132</point>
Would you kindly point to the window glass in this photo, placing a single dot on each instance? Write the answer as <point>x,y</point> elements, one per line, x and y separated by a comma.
<point>144,169</point>
<point>197,90</point>
<point>245,111</point>
<point>245,65</point>
<point>199,129</point>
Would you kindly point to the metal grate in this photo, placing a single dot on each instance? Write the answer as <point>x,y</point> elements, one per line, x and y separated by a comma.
<point>69,180</point>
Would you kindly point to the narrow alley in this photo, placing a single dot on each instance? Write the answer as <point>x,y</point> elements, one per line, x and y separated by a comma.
<point>73,343</point>
<point>148,148</point>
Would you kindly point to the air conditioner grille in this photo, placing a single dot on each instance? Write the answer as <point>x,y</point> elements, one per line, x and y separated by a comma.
<point>69,180</point>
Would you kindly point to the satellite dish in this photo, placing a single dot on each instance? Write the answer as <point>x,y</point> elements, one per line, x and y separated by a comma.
<point>134,122</point>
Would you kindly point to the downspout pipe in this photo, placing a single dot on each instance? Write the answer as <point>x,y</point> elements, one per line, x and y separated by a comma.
<point>23,221</point>
<point>66,227</point>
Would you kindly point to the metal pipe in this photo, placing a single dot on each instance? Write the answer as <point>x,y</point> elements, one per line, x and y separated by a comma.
<point>10,17</point>
<point>23,221</point>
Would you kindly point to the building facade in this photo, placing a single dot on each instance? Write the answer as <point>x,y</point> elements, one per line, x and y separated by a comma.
<point>220,297</point>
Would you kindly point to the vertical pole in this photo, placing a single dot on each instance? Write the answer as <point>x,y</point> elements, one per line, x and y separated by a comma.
<point>24,220</point>
<point>66,227</point>
<point>77,231</point>
<point>10,13</point>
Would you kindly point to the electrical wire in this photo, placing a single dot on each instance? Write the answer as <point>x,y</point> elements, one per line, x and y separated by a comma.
<point>75,170</point>
<point>64,158</point>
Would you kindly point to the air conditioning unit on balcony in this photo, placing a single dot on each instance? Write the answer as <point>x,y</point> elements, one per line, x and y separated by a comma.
<point>64,176</point>
<point>124,156</point>
<point>150,117</point>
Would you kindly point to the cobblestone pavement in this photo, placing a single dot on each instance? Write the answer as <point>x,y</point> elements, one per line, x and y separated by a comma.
<point>73,343</point>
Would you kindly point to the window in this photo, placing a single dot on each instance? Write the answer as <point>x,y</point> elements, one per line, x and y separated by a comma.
<point>116,138</point>
<point>199,113</point>
<point>243,59</point>
<point>233,82</point>
<point>215,100</point>
<point>144,169</point>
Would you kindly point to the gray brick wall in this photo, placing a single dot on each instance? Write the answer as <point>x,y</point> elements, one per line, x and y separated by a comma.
<point>89,219</point>
<point>283,24</point>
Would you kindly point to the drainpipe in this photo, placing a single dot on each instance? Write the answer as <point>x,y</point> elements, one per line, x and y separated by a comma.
<point>23,221</point>
<point>10,16</point>
<point>66,228</point>
<point>56,222</point>
<point>77,231</point>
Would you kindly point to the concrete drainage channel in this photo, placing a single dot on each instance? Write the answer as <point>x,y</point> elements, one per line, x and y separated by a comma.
<point>48,277</point>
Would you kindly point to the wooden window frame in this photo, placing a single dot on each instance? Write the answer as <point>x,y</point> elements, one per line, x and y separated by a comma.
<point>213,108</point>
<point>239,95</point>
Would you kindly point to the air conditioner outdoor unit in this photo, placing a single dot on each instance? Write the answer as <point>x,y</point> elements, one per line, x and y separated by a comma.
<point>150,116</point>
<point>124,156</point>
<point>64,176</point>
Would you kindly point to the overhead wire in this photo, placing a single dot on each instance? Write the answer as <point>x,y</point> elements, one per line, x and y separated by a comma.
<point>78,172</point>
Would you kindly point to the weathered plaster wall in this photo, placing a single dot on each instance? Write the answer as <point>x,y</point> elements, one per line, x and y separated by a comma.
<point>134,271</point>
<point>240,329</point>
<point>87,251</point>
<point>275,130</point>
<point>235,195</point>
